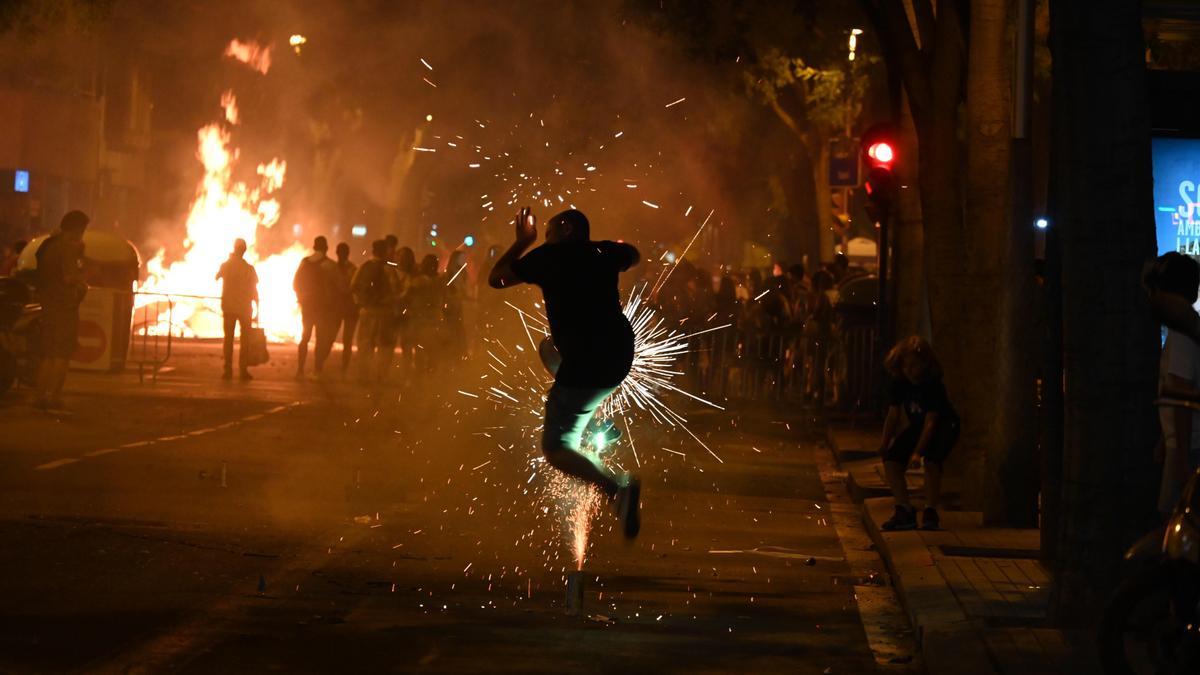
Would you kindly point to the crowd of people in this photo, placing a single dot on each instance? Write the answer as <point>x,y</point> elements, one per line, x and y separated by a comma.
<point>785,326</point>
<point>780,297</point>
<point>389,305</point>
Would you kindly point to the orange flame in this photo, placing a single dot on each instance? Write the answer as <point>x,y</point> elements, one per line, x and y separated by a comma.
<point>250,53</point>
<point>229,103</point>
<point>225,210</point>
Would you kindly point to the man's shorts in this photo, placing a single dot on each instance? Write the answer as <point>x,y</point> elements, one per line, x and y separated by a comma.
<point>60,332</point>
<point>568,411</point>
<point>945,435</point>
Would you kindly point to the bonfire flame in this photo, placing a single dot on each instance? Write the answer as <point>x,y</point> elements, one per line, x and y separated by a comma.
<point>223,211</point>
<point>250,53</point>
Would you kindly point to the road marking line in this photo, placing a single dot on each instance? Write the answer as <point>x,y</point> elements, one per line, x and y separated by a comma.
<point>56,463</point>
<point>162,439</point>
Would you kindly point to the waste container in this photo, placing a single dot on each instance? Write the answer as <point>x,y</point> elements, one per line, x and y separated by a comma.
<point>110,267</point>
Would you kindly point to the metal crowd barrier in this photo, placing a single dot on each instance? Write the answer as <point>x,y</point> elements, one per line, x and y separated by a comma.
<point>834,365</point>
<point>150,348</point>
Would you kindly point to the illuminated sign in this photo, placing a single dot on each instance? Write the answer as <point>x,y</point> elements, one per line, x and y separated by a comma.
<point>21,181</point>
<point>1177,194</point>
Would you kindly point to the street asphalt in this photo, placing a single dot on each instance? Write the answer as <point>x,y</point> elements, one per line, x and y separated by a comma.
<point>198,525</point>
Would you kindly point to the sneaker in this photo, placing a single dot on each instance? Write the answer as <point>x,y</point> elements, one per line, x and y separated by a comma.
<point>245,375</point>
<point>929,519</point>
<point>629,506</point>
<point>905,518</point>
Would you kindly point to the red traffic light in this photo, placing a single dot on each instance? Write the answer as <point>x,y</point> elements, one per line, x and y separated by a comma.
<point>881,153</point>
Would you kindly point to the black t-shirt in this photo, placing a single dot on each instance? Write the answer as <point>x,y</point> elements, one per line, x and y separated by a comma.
<point>919,399</point>
<point>579,283</point>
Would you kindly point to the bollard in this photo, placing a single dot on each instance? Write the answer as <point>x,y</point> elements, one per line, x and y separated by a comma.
<point>575,593</point>
<point>223,475</point>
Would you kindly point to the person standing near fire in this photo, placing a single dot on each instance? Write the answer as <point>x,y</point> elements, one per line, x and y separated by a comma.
<point>239,297</point>
<point>347,310</point>
<point>60,289</point>
<point>374,292</point>
<point>316,283</point>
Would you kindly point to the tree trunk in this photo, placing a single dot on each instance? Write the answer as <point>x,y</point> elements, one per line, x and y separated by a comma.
<point>907,235</point>
<point>1104,207</point>
<point>824,197</point>
<point>988,237</point>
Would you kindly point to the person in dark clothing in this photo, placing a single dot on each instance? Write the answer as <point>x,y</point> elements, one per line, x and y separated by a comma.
<point>8,264</point>
<point>374,293</point>
<point>578,278</point>
<point>917,394</point>
<point>316,284</point>
<point>60,289</point>
<point>239,294</point>
<point>347,310</point>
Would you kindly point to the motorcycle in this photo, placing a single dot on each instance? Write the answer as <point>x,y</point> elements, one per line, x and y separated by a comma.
<point>1152,621</point>
<point>20,320</point>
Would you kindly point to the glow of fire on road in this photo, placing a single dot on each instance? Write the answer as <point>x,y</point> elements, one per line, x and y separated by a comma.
<point>225,210</point>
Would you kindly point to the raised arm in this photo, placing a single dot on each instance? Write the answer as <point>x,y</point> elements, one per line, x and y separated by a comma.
<point>503,275</point>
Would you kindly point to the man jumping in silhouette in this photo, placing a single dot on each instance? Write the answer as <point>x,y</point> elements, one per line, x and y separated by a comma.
<point>578,278</point>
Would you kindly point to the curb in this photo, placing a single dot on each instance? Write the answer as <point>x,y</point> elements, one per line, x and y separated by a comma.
<point>950,643</point>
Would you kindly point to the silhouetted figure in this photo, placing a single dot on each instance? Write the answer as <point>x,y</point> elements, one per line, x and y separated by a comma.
<point>374,293</point>
<point>347,310</point>
<point>578,278</point>
<point>453,291</point>
<point>401,330</point>
<point>316,284</point>
<point>1178,377</point>
<point>60,289</point>
<point>920,421</point>
<point>8,264</point>
<point>424,301</point>
<point>239,294</point>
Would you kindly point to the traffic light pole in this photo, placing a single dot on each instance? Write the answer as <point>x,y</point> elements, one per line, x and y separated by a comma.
<point>882,306</point>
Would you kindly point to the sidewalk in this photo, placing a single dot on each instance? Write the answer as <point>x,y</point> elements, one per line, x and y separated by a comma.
<point>977,597</point>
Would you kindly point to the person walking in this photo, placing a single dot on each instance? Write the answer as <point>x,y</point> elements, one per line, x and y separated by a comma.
<point>578,278</point>
<point>316,283</point>
<point>239,298</point>
<point>374,294</point>
<point>347,310</point>
<point>918,396</point>
<point>60,289</point>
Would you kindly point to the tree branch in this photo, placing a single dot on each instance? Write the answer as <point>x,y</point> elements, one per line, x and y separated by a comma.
<point>926,23</point>
<point>893,23</point>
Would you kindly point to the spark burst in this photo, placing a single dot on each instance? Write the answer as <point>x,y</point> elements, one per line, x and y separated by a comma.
<point>521,389</point>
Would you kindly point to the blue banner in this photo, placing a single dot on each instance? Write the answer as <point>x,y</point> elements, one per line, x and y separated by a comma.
<point>1177,194</point>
